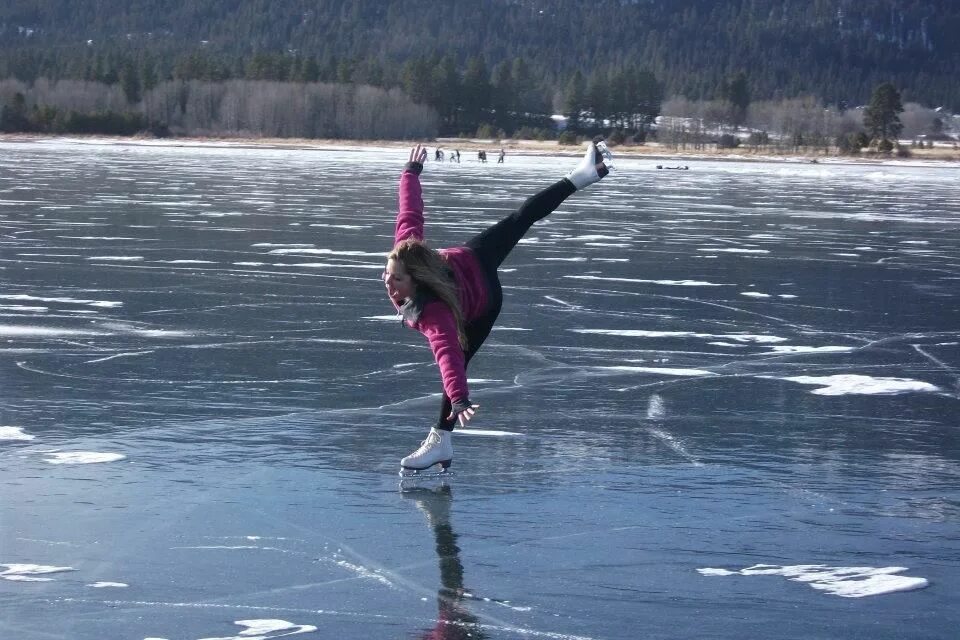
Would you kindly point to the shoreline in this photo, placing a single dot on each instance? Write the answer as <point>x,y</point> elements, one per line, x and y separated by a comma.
<point>936,157</point>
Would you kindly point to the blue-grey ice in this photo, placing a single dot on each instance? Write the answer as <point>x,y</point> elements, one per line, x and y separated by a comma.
<point>719,403</point>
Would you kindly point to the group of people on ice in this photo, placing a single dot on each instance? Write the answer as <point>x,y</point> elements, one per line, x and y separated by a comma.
<point>439,155</point>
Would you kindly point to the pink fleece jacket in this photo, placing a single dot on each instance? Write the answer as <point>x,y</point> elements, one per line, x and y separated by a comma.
<point>436,320</point>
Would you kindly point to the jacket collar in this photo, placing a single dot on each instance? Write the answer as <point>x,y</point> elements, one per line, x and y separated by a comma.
<point>411,309</point>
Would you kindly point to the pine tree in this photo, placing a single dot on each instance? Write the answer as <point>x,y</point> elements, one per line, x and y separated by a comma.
<point>575,100</point>
<point>882,116</point>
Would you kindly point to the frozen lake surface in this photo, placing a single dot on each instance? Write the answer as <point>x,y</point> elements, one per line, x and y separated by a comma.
<point>721,403</point>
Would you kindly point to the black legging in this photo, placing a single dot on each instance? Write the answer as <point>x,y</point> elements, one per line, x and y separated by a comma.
<point>491,248</point>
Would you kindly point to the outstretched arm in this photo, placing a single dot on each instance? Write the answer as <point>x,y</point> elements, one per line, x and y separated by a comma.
<point>410,210</point>
<point>438,325</point>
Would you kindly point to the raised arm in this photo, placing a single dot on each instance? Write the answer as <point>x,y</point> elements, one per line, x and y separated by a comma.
<point>410,209</point>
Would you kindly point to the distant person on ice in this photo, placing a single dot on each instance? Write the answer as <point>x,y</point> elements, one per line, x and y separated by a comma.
<point>453,296</point>
<point>502,154</point>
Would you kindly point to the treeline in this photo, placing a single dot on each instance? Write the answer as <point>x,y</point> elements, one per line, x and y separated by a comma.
<point>803,124</point>
<point>242,108</point>
<point>430,93</point>
<point>837,50</point>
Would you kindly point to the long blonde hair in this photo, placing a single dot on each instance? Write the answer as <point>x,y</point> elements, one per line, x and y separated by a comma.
<point>430,271</point>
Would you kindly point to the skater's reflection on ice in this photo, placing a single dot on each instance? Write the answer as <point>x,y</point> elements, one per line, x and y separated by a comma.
<point>454,620</point>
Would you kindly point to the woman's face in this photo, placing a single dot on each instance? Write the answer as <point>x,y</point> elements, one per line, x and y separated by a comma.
<point>399,284</point>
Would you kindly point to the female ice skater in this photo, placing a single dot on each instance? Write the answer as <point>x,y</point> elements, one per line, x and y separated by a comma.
<point>453,296</point>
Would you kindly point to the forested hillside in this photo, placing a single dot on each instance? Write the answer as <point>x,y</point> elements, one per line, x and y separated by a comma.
<point>834,49</point>
<point>391,68</point>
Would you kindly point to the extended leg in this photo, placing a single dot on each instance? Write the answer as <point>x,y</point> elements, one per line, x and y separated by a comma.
<point>494,245</point>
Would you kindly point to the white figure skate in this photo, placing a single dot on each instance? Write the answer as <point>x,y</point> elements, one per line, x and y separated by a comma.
<point>436,450</point>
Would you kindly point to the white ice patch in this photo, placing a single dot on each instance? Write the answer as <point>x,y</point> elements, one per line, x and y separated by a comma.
<point>117,258</point>
<point>847,582</point>
<point>328,252</point>
<point>363,572</point>
<point>468,431</point>
<point>19,331</point>
<point>642,333</point>
<point>592,238</point>
<point>331,265</point>
<point>393,318</point>
<point>14,433</point>
<point>23,309</point>
<point>29,572</point>
<point>853,384</point>
<point>107,585</point>
<point>186,261</point>
<point>754,294</point>
<point>734,250</point>
<point>655,407</point>
<point>578,259</point>
<point>661,370</point>
<point>93,303</point>
<point>800,349</point>
<point>257,630</point>
<point>670,283</point>
<point>83,457</point>
<point>270,244</point>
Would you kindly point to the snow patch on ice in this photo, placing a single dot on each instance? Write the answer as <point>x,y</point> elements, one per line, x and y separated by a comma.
<point>258,629</point>
<point>117,258</point>
<point>14,433</point>
<point>853,384</point>
<point>735,250</point>
<point>847,582</point>
<point>93,303</point>
<point>106,585</point>
<point>328,252</point>
<point>801,349</point>
<point>673,283</point>
<point>23,331</point>
<point>29,572</point>
<point>661,370</point>
<point>83,457</point>
<point>468,431</point>
<point>642,333</point>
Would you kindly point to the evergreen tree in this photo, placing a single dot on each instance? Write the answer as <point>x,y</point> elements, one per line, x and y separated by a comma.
<point>475,94</point>
<point>130,83</point>
<point>882,116</point>
<point>416,80</point>
<point>736,91</point>
<point>575,100</point>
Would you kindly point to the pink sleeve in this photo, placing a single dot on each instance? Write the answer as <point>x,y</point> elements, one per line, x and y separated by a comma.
<point>437,324</point>
<point>410,212</point>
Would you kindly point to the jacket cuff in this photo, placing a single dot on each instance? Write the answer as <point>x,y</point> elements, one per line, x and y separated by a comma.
<point>413,167</point>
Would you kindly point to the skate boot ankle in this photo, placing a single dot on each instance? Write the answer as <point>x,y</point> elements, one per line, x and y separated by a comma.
<point>592,167</point>
<point>436,449</point>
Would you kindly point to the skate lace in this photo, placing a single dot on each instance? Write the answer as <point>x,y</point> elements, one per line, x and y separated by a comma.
<point>431,441</point>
